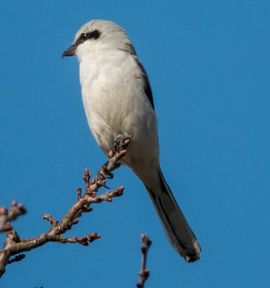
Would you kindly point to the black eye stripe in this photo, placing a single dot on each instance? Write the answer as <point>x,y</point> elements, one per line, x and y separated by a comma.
<point>90,35</point>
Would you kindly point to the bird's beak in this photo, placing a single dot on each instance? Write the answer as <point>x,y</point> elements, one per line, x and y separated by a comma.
<point>70,51</point>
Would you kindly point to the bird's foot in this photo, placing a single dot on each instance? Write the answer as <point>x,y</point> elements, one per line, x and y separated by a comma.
<point>120,143</point>
<point>105,172</point>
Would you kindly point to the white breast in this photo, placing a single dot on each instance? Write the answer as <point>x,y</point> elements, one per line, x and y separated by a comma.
<point>115,102</point>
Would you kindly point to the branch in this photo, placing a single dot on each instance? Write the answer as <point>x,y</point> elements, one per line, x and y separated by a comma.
<point>144,273</point>
<point>14,245</point>
<point>8,215</point>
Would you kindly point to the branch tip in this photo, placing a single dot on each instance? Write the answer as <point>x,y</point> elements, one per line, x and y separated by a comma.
<point>144,272</point>
<point>50,219</point>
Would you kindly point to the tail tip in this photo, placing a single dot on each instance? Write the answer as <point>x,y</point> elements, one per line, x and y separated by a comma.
<point>192,258</point>
<point>194,255</point>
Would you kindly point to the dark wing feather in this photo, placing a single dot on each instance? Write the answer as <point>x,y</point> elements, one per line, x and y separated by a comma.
<point>147,87</point>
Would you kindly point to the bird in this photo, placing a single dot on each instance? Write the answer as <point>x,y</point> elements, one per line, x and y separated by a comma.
<point>118,103</point>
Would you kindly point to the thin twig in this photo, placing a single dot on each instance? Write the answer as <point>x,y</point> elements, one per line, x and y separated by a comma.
<point>8,215</point>
<point>144,272</point>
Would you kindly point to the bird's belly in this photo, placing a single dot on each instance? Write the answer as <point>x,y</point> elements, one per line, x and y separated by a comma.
<point>112,112</point>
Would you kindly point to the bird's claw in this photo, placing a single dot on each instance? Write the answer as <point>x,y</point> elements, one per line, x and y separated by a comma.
<point>120,143</point>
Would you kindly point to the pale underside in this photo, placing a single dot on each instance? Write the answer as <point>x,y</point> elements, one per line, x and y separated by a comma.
<point>116,104</point>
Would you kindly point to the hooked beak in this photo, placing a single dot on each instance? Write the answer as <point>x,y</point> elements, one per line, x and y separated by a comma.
<point>70,51</point>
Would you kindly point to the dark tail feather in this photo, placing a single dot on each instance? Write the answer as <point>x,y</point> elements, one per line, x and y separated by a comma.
<point>174,222</point>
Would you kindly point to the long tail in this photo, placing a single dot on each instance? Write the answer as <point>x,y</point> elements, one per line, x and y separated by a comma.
<point>176,226</point>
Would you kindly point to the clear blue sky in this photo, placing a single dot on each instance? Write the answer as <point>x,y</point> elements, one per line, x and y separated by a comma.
<point>209,66</point>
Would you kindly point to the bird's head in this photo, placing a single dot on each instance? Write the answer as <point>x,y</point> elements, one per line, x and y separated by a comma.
<point>99,35</point>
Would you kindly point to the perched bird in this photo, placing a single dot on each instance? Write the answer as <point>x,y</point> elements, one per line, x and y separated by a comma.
<point>118,102</point>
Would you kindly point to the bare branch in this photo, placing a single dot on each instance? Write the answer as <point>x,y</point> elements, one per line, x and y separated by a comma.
<point>14,245</point>
<point>8,215</point>
<point>50,219</point>
<point>144,273</point>
<point>83,240</point>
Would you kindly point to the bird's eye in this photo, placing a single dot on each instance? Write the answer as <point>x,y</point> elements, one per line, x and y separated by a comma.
<point>83,36</point>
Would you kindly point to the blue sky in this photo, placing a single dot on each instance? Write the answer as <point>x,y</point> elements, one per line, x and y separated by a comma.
<point>209,66</point>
